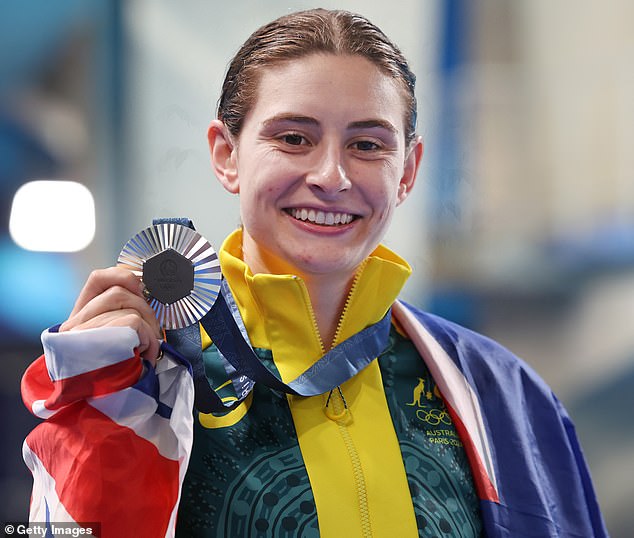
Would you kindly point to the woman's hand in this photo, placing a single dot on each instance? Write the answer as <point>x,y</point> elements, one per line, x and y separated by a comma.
<point>113,297</point>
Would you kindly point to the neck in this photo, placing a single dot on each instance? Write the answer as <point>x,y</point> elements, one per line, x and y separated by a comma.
<point>328,297</point>
<point>275,308</point>
<point>327,292</point>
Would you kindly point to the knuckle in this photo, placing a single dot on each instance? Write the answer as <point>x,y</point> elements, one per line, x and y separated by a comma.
<point>117,293</point>
<point>105,275</point>
<point>95,275</point>
<point>132,319</point>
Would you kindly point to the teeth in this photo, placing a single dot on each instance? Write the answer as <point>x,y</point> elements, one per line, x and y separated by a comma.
<point>321,217</point>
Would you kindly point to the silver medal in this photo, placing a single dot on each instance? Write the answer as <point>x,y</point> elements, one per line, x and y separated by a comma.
<point>180,270</point>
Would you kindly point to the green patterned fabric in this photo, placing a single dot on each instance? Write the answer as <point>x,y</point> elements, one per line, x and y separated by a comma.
<point>249,479</point>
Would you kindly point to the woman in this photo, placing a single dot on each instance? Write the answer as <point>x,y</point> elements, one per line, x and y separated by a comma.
<point>445,433</point>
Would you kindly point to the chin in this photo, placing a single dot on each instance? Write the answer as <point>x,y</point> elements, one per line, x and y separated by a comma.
<point>333,261</point>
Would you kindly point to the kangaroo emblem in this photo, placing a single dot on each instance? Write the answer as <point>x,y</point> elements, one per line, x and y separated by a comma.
<point>433,414</point>
<point>418,392</point>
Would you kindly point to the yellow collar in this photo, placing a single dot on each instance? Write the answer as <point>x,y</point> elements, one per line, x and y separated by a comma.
<point>278,315</point>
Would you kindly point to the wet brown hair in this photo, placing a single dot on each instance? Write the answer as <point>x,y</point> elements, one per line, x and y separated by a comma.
<point>308,32</point>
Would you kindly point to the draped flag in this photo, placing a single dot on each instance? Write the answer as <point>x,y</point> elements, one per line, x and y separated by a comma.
<point>116,443</point>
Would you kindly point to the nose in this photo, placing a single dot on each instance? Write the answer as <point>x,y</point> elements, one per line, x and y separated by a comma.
<point>328,174</point>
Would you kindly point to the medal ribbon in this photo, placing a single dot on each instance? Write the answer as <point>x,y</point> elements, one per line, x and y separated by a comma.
<point>226,329</point>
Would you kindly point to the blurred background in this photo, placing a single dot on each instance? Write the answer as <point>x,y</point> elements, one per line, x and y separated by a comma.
<point>521,225</point>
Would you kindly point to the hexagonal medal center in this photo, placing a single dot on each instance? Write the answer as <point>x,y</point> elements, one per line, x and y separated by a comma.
<point>168,276</point>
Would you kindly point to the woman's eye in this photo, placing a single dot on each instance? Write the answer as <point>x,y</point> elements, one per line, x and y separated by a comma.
<point>365,145</point>
<point>293,139</point>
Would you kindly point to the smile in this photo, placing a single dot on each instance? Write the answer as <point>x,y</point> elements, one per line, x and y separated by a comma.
<point>325,218</point>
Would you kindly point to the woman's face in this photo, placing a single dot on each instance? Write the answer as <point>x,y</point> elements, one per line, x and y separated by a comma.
<point>320,164</point>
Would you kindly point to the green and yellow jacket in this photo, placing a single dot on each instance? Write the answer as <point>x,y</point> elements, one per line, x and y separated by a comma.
<point>379,457</point>
<point>446,433</point>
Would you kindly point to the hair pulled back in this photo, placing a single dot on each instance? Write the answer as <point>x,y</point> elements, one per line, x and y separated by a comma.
<point>301,34</point>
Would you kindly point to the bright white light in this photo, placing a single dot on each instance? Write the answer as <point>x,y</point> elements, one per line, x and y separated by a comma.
<point>52,216</point>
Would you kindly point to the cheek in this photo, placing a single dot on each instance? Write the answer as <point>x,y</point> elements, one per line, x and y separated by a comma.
<point>384,197</point>
<point>386,215</point>
<point>258,207</point>
<point>385,202</point>
<point>266,178</point>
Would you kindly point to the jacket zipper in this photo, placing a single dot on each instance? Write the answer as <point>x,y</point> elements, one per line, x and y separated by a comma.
<point>346,306</point>
<point>340,409</point>
<point>342,417</point>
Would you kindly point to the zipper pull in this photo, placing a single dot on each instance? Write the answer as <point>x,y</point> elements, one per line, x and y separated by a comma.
<point>336,409</point>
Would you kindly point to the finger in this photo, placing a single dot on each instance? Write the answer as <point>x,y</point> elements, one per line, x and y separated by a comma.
<point>111,300</point>
<point>149,344</point>
<point>102,279</point>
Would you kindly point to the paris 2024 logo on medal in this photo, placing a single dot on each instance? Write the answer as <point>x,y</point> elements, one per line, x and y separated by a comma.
<point>180,270</point>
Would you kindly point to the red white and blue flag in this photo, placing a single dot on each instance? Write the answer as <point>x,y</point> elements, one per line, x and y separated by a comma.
<point>117,437</point>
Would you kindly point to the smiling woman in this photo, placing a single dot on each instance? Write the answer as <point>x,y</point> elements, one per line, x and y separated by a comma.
<point>348,412</point>
<point>326,138</point>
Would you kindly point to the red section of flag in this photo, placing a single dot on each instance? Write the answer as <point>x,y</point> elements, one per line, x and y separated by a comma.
<point>36,383</point>
<point>106,473</point>
<point>484,487</point>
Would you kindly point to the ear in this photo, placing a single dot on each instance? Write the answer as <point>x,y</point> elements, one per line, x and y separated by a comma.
<point>410,170</point>
<point>223,156</point>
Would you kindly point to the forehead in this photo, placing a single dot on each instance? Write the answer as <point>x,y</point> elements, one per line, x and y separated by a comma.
<point>339,86</point>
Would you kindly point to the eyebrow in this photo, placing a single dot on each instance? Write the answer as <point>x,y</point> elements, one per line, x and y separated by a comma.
<point>290,118</point>
<point>372,124</point>
<point>307,120</point>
